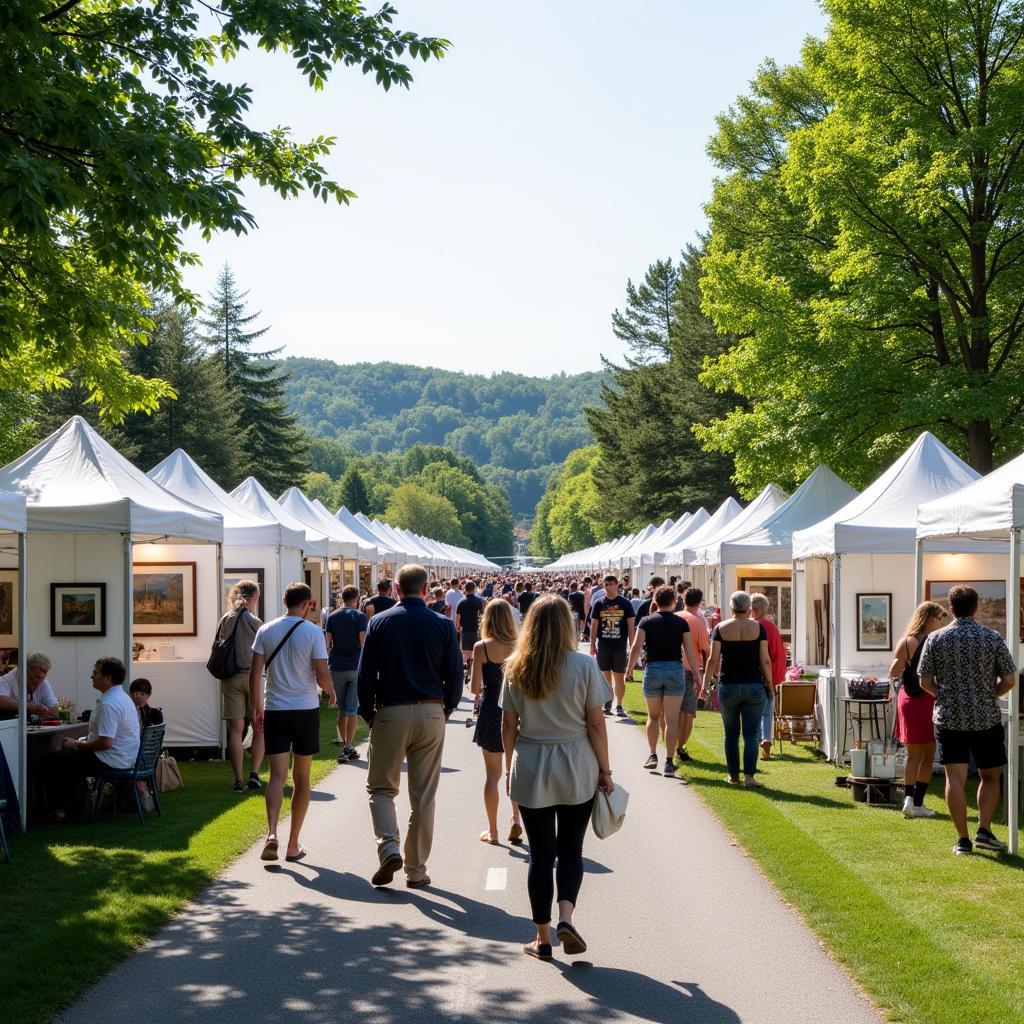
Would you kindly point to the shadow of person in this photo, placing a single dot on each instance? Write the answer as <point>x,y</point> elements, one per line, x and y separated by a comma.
<point>472,918</point>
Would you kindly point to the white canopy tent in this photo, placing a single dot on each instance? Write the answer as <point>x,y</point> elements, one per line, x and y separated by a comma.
<point>386,539</point>
<point>102,517</point>
<point>868,547</point>
<point>652,555</point>
<point>630,559</point>
<point>989,510</point>
<point>674,555</point>
<point>252,541</point>
<point>622,559</point>
<point>386,553</point>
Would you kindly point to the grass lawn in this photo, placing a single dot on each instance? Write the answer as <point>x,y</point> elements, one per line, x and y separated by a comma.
<point>931,936</point>
<point>81,896</point>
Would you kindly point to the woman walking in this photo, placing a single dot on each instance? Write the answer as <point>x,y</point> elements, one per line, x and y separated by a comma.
<point>740,646</point>
<point>236,706</point>
<point>914,708</point>
<point>498,641</point>
<point>556,758</point>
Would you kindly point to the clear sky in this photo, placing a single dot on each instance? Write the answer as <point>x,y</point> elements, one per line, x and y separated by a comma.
<point>505,199</point>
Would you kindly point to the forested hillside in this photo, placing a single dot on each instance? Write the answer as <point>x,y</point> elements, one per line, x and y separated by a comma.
<point>517,429</point>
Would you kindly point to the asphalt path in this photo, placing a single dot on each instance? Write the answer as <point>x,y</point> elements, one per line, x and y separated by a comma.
<point>681,925</point>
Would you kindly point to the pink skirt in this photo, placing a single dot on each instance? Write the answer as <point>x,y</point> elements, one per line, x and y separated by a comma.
<point>914,718</point>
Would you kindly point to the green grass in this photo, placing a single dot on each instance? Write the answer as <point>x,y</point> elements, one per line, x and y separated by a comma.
<point>930,936</point>
<point>79,897</point>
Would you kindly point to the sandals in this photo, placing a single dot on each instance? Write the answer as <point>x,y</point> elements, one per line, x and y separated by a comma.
<point>538,950</point>
<point>292,858</point>
<point>571,940</point>
<point>515,833</point>
<point>753,784</point>
<point>486,837</point>
<point>269,849</point>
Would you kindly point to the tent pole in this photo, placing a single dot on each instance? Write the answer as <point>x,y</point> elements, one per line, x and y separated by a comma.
<point>837,659</point>
<point>1013,640</point>
<point>220,612</point>
<point>126,541</point>
<point>918,571</point>
<point>21,782</point>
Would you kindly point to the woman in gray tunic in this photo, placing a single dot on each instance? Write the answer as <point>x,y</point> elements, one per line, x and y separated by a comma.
<point>556,758</point>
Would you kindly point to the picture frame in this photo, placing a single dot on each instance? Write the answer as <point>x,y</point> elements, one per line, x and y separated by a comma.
<point>233,576</point>
<point>991,600</point>
<point>779,591</point>
<point>874,622</point>
<point>9,611</point>
<point>164,599</point>
<point>78,609</point>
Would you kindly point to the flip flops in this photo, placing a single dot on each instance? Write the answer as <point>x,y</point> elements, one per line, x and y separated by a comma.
<point>269,850</point>
<point>486,837</point>
<point>293,857</point>
<point>515,833</point>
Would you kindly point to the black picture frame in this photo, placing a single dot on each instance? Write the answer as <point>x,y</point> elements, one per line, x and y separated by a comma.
<point>232,576</point>
<point>70,601</point>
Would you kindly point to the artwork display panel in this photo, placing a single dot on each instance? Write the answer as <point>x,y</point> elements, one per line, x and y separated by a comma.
<point>164,599</point>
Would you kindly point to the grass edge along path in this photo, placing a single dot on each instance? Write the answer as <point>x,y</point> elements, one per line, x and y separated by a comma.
<point>82,896</point>
<point>927,935</point>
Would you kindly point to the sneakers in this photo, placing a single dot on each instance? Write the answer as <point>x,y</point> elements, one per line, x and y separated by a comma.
<point>963,845</point>
<point>239,786</point>
<point>254,781</point>
<point>608,708</point>
<point>621,711</point>
<point>924,812</point>
<point>353,754</point>
<point>651,763</point>
<point>909,810</point>
<point>670,769</point>
<point>984,840</point>
<point>682,755</point>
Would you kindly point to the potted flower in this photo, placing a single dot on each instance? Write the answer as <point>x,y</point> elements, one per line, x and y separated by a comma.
<point>65,709</point>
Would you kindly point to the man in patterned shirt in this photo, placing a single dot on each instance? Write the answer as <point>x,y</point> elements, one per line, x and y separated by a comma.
<point>967,667</point>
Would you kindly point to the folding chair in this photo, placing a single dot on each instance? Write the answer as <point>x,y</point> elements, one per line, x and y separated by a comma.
<point>150,745</point>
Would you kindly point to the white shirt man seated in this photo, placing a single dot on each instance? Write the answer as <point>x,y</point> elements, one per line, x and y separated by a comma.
<point>41,698</point>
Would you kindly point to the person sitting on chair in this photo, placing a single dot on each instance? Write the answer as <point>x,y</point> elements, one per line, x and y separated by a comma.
<point>140,691</point>
<point>41,698</point>
<point>113,740</point>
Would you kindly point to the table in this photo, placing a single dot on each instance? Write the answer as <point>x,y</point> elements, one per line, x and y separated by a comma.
<point>42,738</point>
<point>876,791</point>
<point>880,730</point>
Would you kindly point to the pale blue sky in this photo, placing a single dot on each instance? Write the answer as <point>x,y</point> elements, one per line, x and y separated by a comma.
<point>507,196</point>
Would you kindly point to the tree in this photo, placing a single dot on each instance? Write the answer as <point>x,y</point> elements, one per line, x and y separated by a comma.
<point>202,418</point>
<point>413,508</point>
<point>646,323</point>
<point>353,493</point>
<point>866,243</point>
<point>117,135</point>
<point>272,445</point>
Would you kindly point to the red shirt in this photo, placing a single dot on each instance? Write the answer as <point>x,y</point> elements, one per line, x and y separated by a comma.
<point>776,650</point>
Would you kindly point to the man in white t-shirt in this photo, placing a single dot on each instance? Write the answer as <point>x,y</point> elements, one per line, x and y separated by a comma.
<point>293,651</point>
<point>453,599</point>
<point>41,698</point>
<point>112,742</point>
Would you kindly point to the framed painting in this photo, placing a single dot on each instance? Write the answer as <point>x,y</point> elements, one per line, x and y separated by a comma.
<point>233,576</point>
<point>78,609</point>
<point>164,599</point>
<point>8,607</point>
<point>874,622</point>
<point>991,599</point>
<point>780,600</point>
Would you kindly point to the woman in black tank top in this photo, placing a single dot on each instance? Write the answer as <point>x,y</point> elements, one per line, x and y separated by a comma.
<point>740,646</point>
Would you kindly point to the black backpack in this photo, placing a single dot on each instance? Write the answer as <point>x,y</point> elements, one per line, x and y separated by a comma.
<point>223,663</point>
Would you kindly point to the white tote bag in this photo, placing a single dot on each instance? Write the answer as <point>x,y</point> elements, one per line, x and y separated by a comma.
<point>609,812</point>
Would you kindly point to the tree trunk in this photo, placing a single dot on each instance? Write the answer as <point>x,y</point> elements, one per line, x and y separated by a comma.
<point>979,445</point>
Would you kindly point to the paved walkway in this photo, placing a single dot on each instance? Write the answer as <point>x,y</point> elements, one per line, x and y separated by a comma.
<point>681,926</point>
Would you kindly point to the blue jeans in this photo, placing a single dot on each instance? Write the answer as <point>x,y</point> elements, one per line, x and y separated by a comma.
<point>768,720</point>
<point>741,705</point>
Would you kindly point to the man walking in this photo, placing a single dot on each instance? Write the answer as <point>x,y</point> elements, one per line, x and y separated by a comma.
<point>611,634</point>
<point>452,599</point>
<point>410,681</point>
<point>293,652</point>
<point>967,667</point>
<point>345,629</point>
<point>382,602</point>
<point>694,673</point>
<point>777,654</point>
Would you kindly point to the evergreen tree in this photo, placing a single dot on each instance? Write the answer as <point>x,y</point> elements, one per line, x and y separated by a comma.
<point>647,321</point>
<point>273,448</point>
<point>353,492</point>
<point>202,419</point>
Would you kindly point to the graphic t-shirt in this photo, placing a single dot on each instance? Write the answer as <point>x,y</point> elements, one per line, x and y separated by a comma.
<point>344,626</point>
<point>470,610</point>
<point>612,615</point>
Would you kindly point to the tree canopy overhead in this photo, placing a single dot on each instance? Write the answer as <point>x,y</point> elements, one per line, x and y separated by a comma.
<point>117,135</point>
<point>867,243</point>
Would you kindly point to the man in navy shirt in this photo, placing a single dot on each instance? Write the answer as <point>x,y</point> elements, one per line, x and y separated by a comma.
<point>345,628</point>
<point>410,681</point>
<point>382,602</point>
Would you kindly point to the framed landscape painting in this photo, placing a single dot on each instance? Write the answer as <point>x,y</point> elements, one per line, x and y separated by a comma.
<point>874,622</point>
<point>233,576</point>
<point>8,607</point>
<point>991,600</point>
<point>164,599</point>
<point>78,609</point>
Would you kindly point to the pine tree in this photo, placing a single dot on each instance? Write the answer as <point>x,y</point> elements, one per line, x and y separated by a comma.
<point>273,447</point>
<point>353,492</point>
<point>647,321</point>
<point>202,419</point>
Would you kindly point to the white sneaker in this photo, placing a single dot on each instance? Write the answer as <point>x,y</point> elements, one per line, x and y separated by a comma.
<point>924,812</point>
<point>909,810</point>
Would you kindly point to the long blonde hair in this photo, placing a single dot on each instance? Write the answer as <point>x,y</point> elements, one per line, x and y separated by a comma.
<point>498,623</point>
<point>918,624</point>
<point>547,637</point>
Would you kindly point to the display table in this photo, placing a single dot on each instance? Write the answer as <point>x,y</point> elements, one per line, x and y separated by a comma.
<point>190,699</point>
<point>40,739</point>
<point>836,731</point>
<point>873,710</point>
<point>872,791</point>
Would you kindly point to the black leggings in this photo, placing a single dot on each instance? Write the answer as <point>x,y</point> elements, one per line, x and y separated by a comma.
<point>555,833</point>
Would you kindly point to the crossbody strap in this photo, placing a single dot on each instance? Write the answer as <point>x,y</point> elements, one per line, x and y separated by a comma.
<point>273,653</point>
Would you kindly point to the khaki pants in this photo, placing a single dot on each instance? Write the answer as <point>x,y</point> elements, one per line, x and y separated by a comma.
<point>413,733</point>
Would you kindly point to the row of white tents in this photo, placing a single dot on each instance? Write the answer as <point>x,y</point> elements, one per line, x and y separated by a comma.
<point>830,557</point>
<point>76,517</point>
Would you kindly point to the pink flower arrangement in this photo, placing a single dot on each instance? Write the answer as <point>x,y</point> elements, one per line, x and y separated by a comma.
<point>794,674</point>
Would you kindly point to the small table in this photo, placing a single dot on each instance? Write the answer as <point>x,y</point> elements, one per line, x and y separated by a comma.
<point>42,738</point>
<point>880,792</point>
<point>875,706</point>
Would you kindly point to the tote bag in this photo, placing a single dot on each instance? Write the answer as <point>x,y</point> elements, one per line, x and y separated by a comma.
<point>168,775</point>
<point>609,812</point>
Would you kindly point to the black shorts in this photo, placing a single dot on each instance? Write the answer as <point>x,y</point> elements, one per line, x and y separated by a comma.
<point>988,746</point>
<point>469,640</point>
<point>612,659</point>
<point>298,731</point>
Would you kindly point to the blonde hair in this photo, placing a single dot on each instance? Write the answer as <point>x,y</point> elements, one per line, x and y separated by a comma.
<point>242,593</point>
<point>922,614</point>
<point>535,666</point>
<point>498,623</point>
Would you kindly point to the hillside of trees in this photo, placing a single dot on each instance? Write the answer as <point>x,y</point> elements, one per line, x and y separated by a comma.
<point>518,430</point>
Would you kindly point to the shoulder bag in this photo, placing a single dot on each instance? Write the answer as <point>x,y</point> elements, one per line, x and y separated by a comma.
<point>223,663</point>
<point>168,775</point>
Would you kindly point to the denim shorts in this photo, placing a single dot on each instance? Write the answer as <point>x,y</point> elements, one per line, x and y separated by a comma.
<point>346,691</point>
<point>664,679</point>
<point>690,696</point>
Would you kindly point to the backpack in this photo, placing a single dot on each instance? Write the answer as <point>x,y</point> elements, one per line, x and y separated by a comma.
<point>223,663</point>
